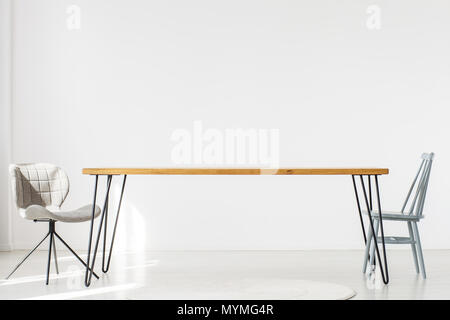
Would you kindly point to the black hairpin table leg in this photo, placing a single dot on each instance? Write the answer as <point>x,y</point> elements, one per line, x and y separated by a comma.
<point>359,210</point>
<point>368,202</point>
<point>89,265</point>
<point>105,267</point>
<point>102,226</point>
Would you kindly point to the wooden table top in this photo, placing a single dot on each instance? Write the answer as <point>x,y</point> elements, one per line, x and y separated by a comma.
<point>235,171</point>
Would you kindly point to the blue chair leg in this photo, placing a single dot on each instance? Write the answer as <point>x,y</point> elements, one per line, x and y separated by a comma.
<point>413,246</point>
<point>419,249</point>
<point>372,247</point>
<point>366,252</point>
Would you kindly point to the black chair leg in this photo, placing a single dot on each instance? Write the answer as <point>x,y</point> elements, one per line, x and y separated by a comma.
<point>74,253</point>
<point>51,250</point>
<point>26,257</point>
<point>49,257</point>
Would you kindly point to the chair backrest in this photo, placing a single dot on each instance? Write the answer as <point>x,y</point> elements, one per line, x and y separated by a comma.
<point>38,183</point>
<point>419,187</point>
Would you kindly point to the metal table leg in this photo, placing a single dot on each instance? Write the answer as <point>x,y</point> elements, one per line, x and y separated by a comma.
<point>106,268</point>
<point>103,219</point>
<point>368,202</point>
<point>89,265</point>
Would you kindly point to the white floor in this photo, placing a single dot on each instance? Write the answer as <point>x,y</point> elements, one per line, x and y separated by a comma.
<point>218,275</point>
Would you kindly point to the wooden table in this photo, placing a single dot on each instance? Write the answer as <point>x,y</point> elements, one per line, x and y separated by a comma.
<point>370,173</point>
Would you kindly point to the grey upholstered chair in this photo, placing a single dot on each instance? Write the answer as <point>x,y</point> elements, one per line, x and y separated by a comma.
<point>411,216</point>
<point>39,190</point>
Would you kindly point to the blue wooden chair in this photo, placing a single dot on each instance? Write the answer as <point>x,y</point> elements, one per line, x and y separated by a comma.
<point>411,216</point>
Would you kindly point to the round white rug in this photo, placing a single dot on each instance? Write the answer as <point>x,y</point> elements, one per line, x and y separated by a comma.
<point>285,289</point>
<point>256,289</point>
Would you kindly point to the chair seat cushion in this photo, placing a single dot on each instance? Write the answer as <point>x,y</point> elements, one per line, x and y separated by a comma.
<point>79,215</point>
<point>394,215</point>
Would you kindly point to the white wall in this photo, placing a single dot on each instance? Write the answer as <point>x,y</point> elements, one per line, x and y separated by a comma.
<point>5,123</point>
<point>111,94</point>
